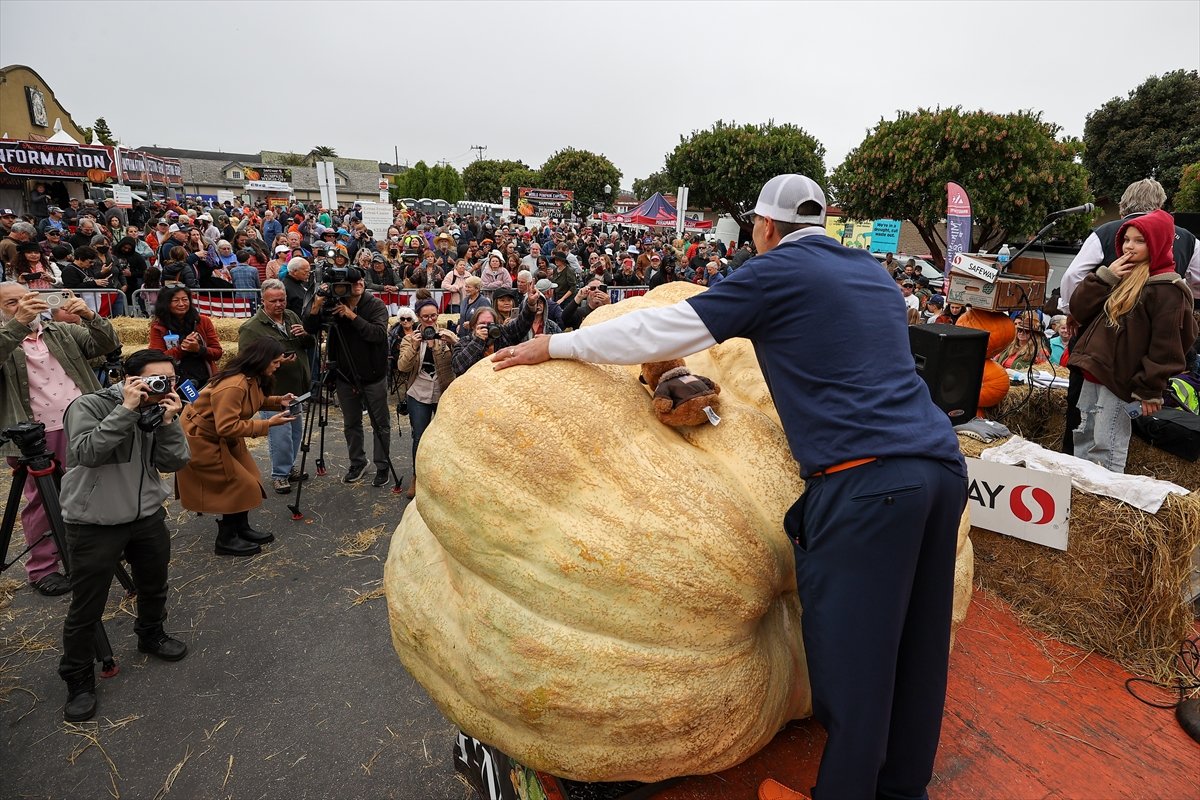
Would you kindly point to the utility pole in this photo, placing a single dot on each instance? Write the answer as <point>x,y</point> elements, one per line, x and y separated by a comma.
<point>478,148</point>
<point>396,161</point>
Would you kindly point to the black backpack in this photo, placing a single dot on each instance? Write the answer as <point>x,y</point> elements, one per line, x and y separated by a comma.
<point>1173,430</point>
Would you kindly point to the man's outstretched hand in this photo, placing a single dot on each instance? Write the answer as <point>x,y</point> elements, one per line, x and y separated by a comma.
<point>535,351</point>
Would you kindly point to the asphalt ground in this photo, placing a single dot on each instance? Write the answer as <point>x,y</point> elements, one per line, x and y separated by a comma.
<point>290,689</point>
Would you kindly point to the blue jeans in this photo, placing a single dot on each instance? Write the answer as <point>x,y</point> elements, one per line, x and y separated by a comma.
<point>419,416</point>
<point>284,444</point>
<point>1104,427</point>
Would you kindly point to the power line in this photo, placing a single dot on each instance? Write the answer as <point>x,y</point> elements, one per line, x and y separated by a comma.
<point>479,148</point>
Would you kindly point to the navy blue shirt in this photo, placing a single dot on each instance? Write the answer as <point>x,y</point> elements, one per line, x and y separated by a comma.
<point>830,332</point>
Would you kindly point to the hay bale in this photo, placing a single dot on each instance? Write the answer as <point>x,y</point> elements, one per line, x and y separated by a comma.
<point>230,349</point>
<point>1118,588</point>
<point>1040,415</point>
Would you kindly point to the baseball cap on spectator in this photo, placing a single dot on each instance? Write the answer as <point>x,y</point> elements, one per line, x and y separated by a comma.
<point>937,300</point>
<point>53,232</point>
<point>507,292</point>
<point>205,217</point>
<point>54,210</point>
<point>782,197</point>
<point>161,222</point>
<point>545,285</point>
<point>8,212</point>
<point>174,229</point>
<point>328,232</point>
<point>909,284</point>
<point>608,251</point>
<point>283,248</point>
<point>378,257</point>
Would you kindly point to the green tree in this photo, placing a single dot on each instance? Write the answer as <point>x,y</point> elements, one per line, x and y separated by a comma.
<point>1188,196</point>
<point>293,160</point>
<point>660,181</point>
<point>1152,133</point>
<point>102,131</point>
<point>320,153</point>
<point>1013,166</point>
<point>482,179</point>
<point>725,166</point>
<point>445,183</point>
<point>584,173</point>
<point>414,182</point>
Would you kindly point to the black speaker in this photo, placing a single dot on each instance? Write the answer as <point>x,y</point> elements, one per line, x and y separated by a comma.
<point>950,359</point>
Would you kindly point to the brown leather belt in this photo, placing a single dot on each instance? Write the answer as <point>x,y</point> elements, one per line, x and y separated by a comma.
<point>851,464</point>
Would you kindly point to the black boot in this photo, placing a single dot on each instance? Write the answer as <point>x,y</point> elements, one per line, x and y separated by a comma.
<point>229,543</point>
<point>81,698</point>
<point>161,645</point>
<point>251,535</point>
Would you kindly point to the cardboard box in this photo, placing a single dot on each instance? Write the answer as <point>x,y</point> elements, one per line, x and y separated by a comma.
<point>1022,285</point>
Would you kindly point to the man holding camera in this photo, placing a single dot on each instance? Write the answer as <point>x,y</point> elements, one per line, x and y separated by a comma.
<point>45,367</point>
<point>357,352</point>
<point>294,376</point>
<point>121,439</point>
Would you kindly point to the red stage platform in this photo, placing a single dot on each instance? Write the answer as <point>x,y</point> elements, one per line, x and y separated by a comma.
<point>1027,718</point>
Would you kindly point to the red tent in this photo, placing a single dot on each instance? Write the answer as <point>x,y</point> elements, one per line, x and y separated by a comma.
<point>655,212</point>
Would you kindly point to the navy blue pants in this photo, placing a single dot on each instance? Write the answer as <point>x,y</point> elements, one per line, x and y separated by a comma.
<point>875,548</point>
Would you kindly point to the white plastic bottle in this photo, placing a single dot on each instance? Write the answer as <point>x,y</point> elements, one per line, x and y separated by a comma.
<point>1002,256</point>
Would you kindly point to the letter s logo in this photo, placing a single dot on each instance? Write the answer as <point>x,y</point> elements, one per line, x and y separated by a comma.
<point>1043,500</point>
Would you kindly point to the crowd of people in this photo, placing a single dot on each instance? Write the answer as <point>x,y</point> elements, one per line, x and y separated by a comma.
<point>480,289</point>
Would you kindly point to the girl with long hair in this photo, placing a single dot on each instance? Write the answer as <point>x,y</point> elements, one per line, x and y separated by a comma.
<point>1137,323</point>
<point>222,477</point>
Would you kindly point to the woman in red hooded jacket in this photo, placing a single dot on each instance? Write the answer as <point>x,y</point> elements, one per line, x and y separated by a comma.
<point>1137,323</point>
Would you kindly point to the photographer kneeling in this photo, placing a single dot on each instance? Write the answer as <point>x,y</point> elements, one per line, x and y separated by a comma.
<point>357,345</point>
<point>121,439</point>
<point>425,370</point>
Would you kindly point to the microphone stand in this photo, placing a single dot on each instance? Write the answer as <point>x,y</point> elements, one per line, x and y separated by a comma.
<point>1004,273</point>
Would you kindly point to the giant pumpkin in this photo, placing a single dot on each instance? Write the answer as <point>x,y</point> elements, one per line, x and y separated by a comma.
<point>598,595</point>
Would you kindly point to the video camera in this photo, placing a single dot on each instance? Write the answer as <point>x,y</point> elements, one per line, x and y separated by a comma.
<point>340,283</point>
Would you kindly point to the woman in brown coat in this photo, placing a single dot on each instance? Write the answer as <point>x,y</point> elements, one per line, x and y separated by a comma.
<point>222,477</point>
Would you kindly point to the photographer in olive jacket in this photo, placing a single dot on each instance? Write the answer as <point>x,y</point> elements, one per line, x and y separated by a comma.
<point>43,367</point>
<point>120,439</point>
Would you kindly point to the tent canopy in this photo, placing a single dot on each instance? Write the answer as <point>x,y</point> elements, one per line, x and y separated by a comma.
<point>655,212</point>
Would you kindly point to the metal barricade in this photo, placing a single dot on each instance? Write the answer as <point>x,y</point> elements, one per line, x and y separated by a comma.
<point>105,302</point>
<point>228,303</point>
<point>619,293</point>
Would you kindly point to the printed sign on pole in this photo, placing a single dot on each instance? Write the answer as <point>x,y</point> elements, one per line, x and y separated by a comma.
<point>122,195</point>
<point>1026,503</point>
<point>377,217</point>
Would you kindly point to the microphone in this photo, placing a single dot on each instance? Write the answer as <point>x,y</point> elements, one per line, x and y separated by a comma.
<point>1086,208</point>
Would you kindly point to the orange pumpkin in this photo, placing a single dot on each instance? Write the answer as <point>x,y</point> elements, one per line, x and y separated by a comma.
<point>97,176</point>
<point>1000,329</point>
<point>995,384</point>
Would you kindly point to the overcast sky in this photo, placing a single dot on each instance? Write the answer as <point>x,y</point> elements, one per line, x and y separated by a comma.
<point>623,79</point>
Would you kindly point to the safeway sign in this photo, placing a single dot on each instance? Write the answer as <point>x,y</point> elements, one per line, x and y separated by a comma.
<point>1026,503</point>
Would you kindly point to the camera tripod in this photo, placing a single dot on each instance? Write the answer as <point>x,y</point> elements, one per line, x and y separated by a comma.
<point>37,461</point>
<point>324,385</point>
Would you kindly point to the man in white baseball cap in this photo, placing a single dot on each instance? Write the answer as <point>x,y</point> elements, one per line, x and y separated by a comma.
<point>875,532</point>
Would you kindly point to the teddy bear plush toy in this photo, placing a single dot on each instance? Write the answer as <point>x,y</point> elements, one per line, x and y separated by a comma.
<point>681,398</point>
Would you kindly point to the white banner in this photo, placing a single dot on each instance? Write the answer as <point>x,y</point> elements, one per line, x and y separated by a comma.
<point>377,217</point>
<point>123,195</point>
<point>1026,503</point>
